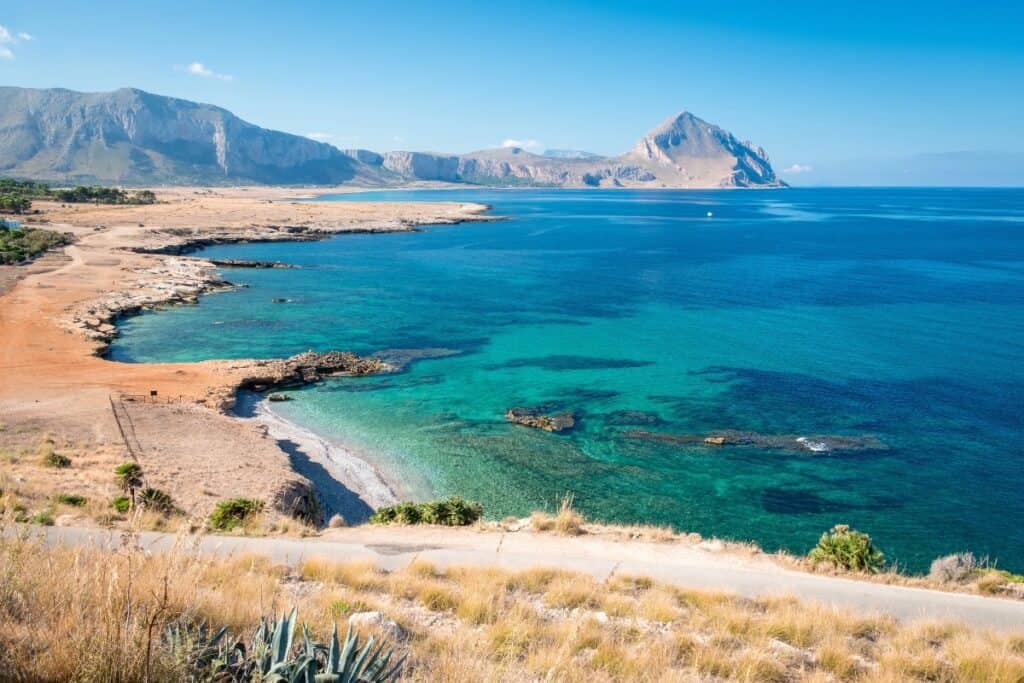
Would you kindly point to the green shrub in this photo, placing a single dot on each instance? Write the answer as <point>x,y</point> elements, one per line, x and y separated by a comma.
<point>71,499</point>
<point>157,500</point>
<point>849,549</point>
<point>451,511</point>
<point>121,504</point>
<point>18,244</point>
<point>44,517</point>
<point>57,460</point>
<point>233,513</point>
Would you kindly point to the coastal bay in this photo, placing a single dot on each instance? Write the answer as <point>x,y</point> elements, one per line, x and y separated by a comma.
<point>59,314</point>
<point>815,333</point>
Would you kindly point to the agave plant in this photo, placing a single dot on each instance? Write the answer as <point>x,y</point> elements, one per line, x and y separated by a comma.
<point>274,657</point>
<point>350,663</point>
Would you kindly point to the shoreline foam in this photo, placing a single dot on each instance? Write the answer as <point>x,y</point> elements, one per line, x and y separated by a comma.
<point>330,465</point>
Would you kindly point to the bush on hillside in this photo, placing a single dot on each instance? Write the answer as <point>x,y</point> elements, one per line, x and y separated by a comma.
<point>954,568</point>
<point>451,511</point>
<point>848,549</point>
<point>72,499</point>
<point>233,513</point>
<point>56,460</point>
<point>157,501</point>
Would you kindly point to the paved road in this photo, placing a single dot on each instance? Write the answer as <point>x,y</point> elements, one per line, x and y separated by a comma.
<point>684,566</point>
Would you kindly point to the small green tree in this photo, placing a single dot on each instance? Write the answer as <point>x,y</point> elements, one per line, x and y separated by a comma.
<point>129,478</point>
<point>849,549</point>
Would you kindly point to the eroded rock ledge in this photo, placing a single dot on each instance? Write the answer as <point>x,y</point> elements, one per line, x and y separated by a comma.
<point>307,368</point>
<point>171,281</point>
<point>182,241</point>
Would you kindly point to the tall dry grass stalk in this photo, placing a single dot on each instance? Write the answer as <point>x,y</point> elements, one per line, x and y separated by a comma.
<point>87,614</point>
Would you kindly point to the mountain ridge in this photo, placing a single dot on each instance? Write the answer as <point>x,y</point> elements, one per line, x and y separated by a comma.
<point>132,137</point>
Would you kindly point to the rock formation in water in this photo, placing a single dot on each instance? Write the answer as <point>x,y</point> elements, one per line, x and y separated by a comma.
<point>531,417</point>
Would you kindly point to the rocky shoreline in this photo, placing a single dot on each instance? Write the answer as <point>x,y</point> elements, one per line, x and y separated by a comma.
<point>173,281</point>
<point>183,241</point>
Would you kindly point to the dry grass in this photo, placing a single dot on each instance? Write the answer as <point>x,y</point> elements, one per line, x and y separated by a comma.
<point>79,614</point>
<point>566,522</point>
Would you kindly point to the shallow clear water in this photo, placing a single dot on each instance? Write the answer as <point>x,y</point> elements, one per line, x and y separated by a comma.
<point>892,314</point>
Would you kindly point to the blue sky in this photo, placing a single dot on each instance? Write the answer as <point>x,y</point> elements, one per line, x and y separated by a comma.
<point>817,84</point>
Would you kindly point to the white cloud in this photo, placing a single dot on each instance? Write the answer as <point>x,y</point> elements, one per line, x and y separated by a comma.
<point>7,38</point>
<point>199,69</point>
<point>321,137</point>
<point>798,168</point>
<point>527,144</point>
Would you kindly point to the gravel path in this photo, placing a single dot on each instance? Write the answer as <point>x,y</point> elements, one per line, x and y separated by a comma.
<point>687,567</point>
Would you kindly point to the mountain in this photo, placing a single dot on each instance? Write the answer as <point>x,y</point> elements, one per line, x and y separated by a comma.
<point>133,137</point>
<point>684,151</point>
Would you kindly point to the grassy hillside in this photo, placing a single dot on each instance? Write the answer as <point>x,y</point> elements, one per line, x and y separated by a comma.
<point>76,614</point>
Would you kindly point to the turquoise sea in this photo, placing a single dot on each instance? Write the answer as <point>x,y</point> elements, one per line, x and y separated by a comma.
<point>891,317</point>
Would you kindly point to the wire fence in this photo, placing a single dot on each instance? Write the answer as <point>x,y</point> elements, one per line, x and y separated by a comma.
<point>125,427</point>
<point>154,398</point>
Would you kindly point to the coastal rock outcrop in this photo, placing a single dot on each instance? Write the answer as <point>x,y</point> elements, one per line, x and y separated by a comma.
<point>532,417</point>
<point>307,368</point>
<point>173,281</point>
<point>245,263</point>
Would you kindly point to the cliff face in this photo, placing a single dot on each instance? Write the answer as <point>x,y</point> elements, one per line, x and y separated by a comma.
<point>130,136</point>
<point>423,165</point>
<point>134,137</point>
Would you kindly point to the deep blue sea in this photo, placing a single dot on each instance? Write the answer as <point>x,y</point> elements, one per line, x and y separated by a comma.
<point>884,328</point>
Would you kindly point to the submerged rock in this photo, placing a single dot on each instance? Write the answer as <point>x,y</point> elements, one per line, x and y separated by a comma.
<point>788,442</point>
<point>279,397</point>
<point>532,417</point>
<point>632,417</point>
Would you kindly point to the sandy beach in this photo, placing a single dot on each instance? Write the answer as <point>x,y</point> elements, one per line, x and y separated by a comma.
<point>58,314</point>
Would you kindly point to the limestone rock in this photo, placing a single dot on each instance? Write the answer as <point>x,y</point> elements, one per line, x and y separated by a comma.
<point>378,621</point>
